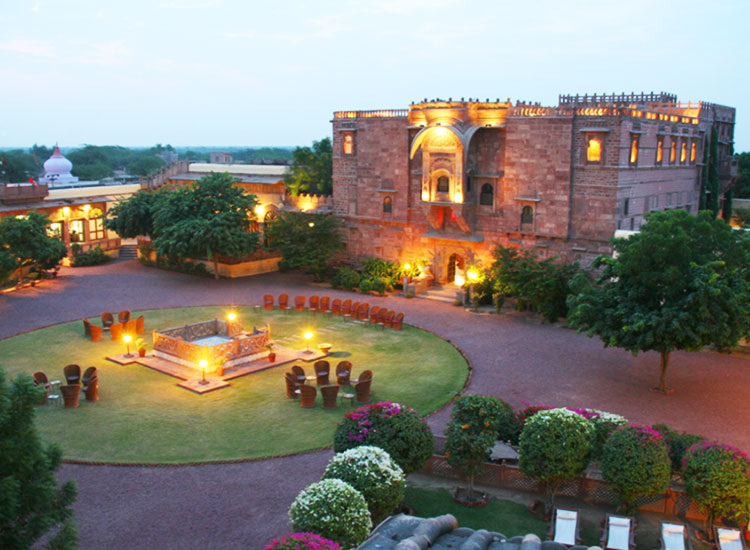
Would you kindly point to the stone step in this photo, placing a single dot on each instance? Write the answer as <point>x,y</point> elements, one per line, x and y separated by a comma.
<point>445,294</point>
<point>129,251</point>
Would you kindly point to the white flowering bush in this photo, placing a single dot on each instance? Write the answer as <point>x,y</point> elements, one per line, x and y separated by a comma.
<point>604,424</point>
<point>333,509</point>
<point>373,473</point>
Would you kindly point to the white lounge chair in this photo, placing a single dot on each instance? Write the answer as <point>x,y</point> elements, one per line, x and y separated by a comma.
<point>728,539</point>
<point>618,533</point>
<point>674,536</point>
<point>565,527</point>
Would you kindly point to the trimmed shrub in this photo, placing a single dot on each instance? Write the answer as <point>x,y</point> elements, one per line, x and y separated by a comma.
<point>677,443</point>
<point>635,460</point>
<point>397,429</point>
<point>604,424</point>
<point>483,409</point>
<point>376,268</point>
<point>95,256</point>
<point>301,541</point>
<point>523,415</point>
<point>333,509</point>
<point>365,285</point>
<point>372,472</point>
<point>379,285</point>
<point>717,476</point>
<point>346,277</point>
<point>554,447</point>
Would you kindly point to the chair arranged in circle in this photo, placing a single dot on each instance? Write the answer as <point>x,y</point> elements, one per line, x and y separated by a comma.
<point>123,317</point>
<point>284,302</point>
<point>343,373</point>
<point>314,304</point>
<point>336,306</point>
<point>267,301</point>
<point>307,395</point>
<point>330,394</point>
<point>299,303</point>
<point>322,372</point>
<point>107,320</point>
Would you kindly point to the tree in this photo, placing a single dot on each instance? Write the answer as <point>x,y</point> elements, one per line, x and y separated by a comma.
<point>31,503</point>
<point>742,188</point>
<point>134,216</point>
<point>682,283</point>
<point>17,166</point>
<point>209,219</point>
<point>312,169</point>
<point>305,241</point>
<point>25,243</point>
<point>145,166</point>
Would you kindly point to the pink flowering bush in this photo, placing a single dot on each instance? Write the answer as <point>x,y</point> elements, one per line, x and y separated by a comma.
<point>604,424</point>
<point>635,460</point>
<point>301,541</point>
<point>395,428</point>
<point>717,476</point>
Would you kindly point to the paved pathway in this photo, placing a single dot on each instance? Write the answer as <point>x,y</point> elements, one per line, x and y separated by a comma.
<point>244,505</point>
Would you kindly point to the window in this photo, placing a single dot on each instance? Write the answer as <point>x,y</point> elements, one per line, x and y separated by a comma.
<point>683,152</point>
<point>669,199</point>
<point>387,205</point>
<point>625,207</point>
<point>653,202</point>
<point>485,196</point>
<point>55,230</point>
<point>442,184</point>
<point>673,151</point>
<point>75,230</point>
<point>594,149</point>
<point>348,144</point>
<point>96,229</point>
<point>527,215</point>
<point>633,150</point>
<point>659,151</point>
<point>693,151</point>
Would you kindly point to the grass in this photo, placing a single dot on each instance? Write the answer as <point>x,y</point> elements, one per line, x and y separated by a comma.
<point>143,417</point>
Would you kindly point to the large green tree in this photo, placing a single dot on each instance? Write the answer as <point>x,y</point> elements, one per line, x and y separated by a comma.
<point>681,283</point>
<point>24,242</point>
<point>134,216</point>
<point>312,169</point>
<point>209,219</point>
<point>305,240</point>
<point>17,166</point>
<point>31,503</point>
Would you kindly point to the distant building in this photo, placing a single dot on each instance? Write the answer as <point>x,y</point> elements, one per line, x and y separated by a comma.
<point>220,157</point>
<point>57,170</point>
<point>443,181</point>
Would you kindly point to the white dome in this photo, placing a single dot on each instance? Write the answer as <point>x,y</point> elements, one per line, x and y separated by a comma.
<point>57,164</point>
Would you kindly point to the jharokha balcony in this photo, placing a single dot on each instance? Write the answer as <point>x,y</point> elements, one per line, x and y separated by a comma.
<point>22,193</point>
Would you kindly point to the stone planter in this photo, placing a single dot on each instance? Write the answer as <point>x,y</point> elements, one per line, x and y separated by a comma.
<point>70,395</point>
<point>325,348</point>
<point>461,496</point>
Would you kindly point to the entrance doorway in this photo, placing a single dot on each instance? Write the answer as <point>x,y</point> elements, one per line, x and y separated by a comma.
<point>455,262</point>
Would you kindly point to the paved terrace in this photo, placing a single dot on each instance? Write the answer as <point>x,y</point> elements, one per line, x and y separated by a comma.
<point>245,505</point>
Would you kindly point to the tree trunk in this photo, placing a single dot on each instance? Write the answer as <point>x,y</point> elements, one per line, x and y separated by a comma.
<point>549,499</point>
<point>664,366</point>
<point>471,487</point>
<point>216,266</point>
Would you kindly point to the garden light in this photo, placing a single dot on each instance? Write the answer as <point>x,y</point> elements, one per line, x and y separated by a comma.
<point>203,364</point>
<point>459,280</point>
<point>308,336</point>
<point>127,339</point>
<point>231,316</point>
<point>473,275</point>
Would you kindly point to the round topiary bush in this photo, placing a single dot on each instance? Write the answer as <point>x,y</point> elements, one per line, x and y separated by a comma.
<point>717,476</point>
<point>604,424</point>
<point>373,473</point>
<point>301,541</point>
<point>487,411</point>
<point>677,443</point>
<point>395,428</point>
<point>635,460</point>
<point>554,447</point>
<point>333,509</point>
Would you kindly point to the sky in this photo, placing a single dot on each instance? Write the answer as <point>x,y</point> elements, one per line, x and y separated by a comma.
<point>247,73</point>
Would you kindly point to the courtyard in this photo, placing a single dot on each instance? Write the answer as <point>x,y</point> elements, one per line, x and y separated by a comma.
<point>512,356</point>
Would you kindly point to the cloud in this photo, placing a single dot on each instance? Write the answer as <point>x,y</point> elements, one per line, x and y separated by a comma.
<point>36,7</point>
<point>25,46</point>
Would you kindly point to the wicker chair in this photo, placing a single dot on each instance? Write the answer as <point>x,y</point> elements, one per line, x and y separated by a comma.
<point>322,372</point>
<point>131,327</point>
<point>362,389</point>
<point>346,307</point>
<point>72,374</point>
<point>87,328</point>
<point>90,384</point>
<point>330,393</point>
<point>363,312</point>
<point>353,311</point>
<point>314,304</point>
<point>374,312</point>
<point>88,374</point>
<point>308,394</point>
<point>267,301</point>
<point>336,306</point>
<point>388,319</point>
<point>283,302</point>
<point>343,373</point>
<point>292,386</point>
<point>299,303</point>
<point>299,374</point>
<point>116,332</point>
<point>96,333</point>
<point>107,320</point>
<point>40,379</point>
<point>325,304</point>
<point>140,325</point>
<point>398,321</point>
<point>123,317</point>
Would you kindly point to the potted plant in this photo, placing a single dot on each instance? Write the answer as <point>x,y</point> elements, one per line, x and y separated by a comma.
<point>220,366</point>
<point>271,353</point>
<point>140,345</point>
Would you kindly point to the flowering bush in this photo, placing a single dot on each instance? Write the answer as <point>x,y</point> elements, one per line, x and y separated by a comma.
<point>333,509</point>
<point>524,414</point>
<point>677,444</point>
<point>635,460</point>
<point>604,424</point>
<point>301,541</point>
<point>395,428</point>
<point>371,471</point>
<point>717,477</point>
<point>554,447</point>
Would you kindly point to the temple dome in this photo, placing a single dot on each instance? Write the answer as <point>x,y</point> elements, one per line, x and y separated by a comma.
<point>57,169</point>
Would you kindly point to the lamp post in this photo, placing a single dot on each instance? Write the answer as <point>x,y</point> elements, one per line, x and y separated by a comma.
<point>127,339</point>
<point>308,336</point>
<point>203,364</point>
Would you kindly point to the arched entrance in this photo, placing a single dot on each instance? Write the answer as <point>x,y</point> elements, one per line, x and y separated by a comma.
<point>455,263</point>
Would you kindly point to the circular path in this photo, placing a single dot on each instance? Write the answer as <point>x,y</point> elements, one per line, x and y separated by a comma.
<point>244,505</point>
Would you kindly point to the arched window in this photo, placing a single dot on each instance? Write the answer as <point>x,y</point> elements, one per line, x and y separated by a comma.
<point>348,144</point>
<point>683,152</point>
<point>387,205</point>
<point>442,184</point>
<point>485,196</point>
<point>633,150</point>
<point>527,215</point>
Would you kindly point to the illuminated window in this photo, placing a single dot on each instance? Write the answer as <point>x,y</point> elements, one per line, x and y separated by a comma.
<point>387,205</point>
<point>683,152</point>
<point>485,196</point>
<point>659,151</point>
<point>594,150</point>
<point>348,144</point>
<point>673,151</point>
<point>75,230</point>
<point>527,215</point>
<point>55,230</point>
<point>442,184</point>
<point>96,229</point>
<point>693,151</point>
<point>634,150</point>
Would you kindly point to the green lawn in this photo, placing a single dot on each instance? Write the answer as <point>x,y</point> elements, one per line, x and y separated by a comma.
<point>143,417</point>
